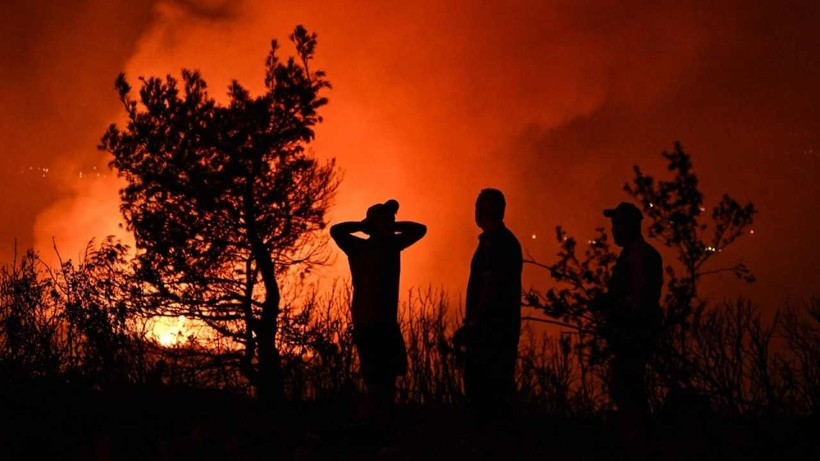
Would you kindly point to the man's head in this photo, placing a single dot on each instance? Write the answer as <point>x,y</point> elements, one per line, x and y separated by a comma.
<point>381,217</point>
<point>626,223</point>
<point>489,209</point>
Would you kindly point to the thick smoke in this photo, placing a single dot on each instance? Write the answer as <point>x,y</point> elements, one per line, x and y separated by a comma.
<point>552,102</point>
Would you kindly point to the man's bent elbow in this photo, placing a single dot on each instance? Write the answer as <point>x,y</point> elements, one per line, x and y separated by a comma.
<point>336,231</point>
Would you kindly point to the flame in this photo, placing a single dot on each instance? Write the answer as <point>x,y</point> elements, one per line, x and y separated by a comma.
<point>170,331</point>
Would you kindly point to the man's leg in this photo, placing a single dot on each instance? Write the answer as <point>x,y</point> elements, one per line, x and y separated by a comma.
<point>384,393</point>
<point>477,384</point>
<point>503,382</point>
<point>379,372</point>
<point>629,392</point>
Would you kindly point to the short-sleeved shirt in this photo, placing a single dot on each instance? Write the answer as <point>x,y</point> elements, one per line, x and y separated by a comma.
<point>635,288</point>
<point>375,266</point>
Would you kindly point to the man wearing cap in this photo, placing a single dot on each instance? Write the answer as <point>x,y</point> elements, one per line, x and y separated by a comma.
<point>492,323</point>
<point>375,266</point>
<point>632,316</point>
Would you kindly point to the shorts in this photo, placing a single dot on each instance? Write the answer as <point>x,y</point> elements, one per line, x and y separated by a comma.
<point>382,353</point>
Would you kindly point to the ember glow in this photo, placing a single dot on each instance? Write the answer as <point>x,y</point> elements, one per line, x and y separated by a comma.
<point>551,102</point>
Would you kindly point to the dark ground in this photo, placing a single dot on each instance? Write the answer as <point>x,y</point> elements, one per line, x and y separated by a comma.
<point>59,422</point>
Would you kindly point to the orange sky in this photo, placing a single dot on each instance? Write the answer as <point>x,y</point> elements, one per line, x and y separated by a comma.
<point>552,102</point>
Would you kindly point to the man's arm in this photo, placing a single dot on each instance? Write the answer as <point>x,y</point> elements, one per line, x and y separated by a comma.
<point>342,234</point>
<point>408,233</point>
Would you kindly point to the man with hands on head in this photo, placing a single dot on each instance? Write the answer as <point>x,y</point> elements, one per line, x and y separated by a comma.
<point>375,267</point>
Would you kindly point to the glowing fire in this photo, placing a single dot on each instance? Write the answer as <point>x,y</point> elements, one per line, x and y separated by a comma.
<point>170,331</point>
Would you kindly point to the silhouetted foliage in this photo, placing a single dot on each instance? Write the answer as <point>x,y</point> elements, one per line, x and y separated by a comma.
<point>61,334</point>
<point>73,322</point>
<point>317,346</point>
<point>98,294</point>
<point>582,279</point>
<point>675,209</point>
<point>799,368</point>
<point>30,329</point>
<point>223,200</point>
<point>434,370</point>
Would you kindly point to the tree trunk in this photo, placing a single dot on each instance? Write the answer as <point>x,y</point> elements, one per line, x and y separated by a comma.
<point>270,386</point>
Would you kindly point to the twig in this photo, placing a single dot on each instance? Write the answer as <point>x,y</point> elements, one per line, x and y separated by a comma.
<point>552,322</point>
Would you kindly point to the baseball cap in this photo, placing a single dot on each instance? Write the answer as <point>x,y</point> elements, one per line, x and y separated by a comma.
<point>624,210</point>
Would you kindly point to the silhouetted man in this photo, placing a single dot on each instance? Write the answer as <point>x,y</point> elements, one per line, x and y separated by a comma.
<point>492,323</point>
<point>375,268</point>
<point>632,316</point>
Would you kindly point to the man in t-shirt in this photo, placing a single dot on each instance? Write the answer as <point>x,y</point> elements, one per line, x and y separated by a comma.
<point>375,265</point>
